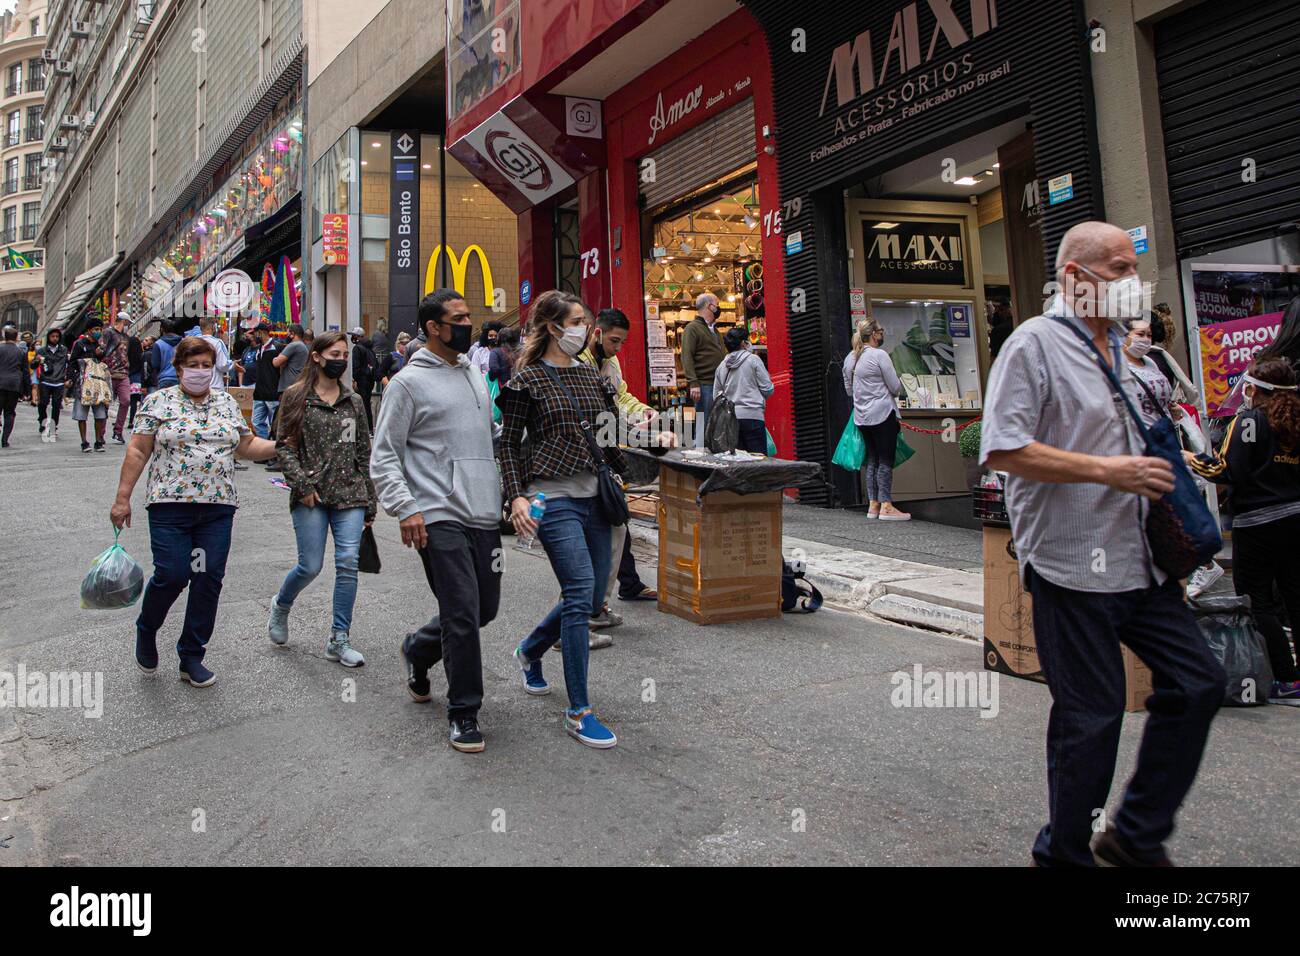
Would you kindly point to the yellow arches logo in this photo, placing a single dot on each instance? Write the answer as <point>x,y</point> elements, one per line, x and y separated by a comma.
<point>460,266</point>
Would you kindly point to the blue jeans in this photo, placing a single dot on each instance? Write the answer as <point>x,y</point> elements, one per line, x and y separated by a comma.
<point>263,412</point>
<point>577,541</point>
<point>310,526</point>
<point>1079,634</point>
<point>190,544</point>
<point>702,409</point>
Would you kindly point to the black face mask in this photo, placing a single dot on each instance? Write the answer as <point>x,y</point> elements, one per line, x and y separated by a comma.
<point>462,337</point>
<point>334,368</point>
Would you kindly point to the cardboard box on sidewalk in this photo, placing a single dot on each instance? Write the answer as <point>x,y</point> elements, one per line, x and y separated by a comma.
<point>243,394</point>
<point>1009,645</point>
<point>719,559</point>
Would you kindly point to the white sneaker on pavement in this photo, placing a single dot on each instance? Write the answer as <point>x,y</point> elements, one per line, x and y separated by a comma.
<point>1203,578</point>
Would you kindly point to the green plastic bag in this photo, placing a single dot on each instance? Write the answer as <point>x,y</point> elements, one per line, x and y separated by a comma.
<point>494,389</point>
<point>851,450</point>
<point>902,451</point>
<point>114,580</point>
<point>771,444</point>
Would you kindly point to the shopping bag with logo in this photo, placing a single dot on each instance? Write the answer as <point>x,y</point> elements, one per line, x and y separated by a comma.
<point>114,580</point>
<point>851,450</point>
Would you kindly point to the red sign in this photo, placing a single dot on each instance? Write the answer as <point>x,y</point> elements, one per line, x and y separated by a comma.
<point>334,239</point>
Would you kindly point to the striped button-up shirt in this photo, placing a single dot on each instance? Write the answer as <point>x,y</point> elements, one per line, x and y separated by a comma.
<point>1046,387</point>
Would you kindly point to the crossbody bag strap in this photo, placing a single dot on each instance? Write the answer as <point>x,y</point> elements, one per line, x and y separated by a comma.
<point>1110,376</point>
<point>597,454</point>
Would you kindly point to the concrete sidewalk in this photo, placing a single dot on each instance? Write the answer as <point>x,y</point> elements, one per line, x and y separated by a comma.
<point>909,572</point>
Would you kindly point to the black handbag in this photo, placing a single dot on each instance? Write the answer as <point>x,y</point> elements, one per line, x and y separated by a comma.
<point>1181,532</point>
<point>368,557</point>
<point>610,498</point>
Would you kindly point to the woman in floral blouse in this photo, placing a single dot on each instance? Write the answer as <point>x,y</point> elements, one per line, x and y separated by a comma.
<point>188,435</point>
<point>324,446</point>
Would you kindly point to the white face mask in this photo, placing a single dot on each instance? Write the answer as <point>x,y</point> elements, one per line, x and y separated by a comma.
<point>1117,299</point>
<point>1138,347</point>
<point>574,340</point>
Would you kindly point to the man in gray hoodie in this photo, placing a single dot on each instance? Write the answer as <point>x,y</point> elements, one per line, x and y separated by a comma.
<point>433,469</point>
<point>742,377</point>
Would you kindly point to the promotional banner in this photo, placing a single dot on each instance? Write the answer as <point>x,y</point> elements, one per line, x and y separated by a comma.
<point>1226,350</point>
<point>404,233</point>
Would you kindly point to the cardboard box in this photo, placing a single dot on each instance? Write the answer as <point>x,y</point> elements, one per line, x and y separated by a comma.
<point>1009,645</point>
<point>719,557</point>
<point>243,394</point>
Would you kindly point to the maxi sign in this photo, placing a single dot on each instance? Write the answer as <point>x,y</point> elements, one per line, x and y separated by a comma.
<point>404,233</point>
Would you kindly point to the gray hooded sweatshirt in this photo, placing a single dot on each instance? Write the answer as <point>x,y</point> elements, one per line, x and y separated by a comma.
<point>743,378</point>
<point>432,450</point>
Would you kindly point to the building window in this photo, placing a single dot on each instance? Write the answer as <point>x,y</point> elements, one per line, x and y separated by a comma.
<point>34,258</point>
<point>13,128</point>
<point>11,176</point>
<point>32,171</point>
<point>15,84</point>
<point>36,26</point>
<point>22,315</point>
<point>35,124</point>
<point>31,220</point>
<point>35,76</point>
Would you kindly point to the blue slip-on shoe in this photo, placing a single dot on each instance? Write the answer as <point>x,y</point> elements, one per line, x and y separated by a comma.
<point>534,682</point>
<point>196,675</point>
<point>586,729</point>
<point>146,656</point>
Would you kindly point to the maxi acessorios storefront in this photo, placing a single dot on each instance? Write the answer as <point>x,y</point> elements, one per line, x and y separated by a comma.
<point>863,89</point>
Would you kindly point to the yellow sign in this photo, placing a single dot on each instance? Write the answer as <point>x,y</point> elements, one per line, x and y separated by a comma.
<point>459,266</point>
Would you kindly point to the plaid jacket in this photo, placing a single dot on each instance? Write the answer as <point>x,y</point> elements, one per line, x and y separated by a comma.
<point>530,402</point>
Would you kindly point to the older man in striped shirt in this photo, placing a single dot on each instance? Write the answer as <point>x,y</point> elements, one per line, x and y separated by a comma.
<point>1076,496</point>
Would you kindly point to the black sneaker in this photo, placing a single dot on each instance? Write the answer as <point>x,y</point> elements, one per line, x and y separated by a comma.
<point>1110,850</point>
<point>465,735</point>
<point>118,439</point>
<point>417,684</point>
<point>85,447</point>
<point>99,446</point>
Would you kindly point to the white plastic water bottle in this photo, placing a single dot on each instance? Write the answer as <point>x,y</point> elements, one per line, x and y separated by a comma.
<point>524,542</point>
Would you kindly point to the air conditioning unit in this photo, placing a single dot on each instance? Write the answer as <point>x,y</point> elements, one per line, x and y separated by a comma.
<point>79,28</point>
<point>88,121</point>
<point>47,162</point>
<point>59,144</point>
<point>143,19</point>
<point>63,68</point>
<point>70,121</point>
<point>50,55</point>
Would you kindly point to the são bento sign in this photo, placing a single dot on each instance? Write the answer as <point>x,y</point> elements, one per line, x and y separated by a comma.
<point>872,84</point>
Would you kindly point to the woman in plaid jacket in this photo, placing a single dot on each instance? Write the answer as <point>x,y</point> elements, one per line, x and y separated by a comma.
<point>558,462</point>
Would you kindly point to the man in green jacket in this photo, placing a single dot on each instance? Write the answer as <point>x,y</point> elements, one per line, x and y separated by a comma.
<point>607,337</point>
<point>702,353</point>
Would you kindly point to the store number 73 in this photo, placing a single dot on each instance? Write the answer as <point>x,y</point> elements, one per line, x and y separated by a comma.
<point>590,262</point>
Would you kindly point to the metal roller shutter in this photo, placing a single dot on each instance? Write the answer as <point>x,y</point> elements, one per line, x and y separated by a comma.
<point>75,250</point>
<point>175,131</point>
<point>1229,90</point>
<point>706,153</point>
<point>133,181</point>
<point>54,274</point>
<point>103,177</point>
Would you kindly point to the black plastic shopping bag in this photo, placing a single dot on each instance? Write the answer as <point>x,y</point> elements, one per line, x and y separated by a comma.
<point>1227,627</point>
<point>368,559</point>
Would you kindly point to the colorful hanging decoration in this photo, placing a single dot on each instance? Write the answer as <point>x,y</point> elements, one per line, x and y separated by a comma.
<point>284,298</point>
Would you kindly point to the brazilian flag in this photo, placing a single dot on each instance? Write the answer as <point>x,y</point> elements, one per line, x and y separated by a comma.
<point>17,260</point>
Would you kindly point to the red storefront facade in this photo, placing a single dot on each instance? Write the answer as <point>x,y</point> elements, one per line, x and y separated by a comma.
<point>557,139</point>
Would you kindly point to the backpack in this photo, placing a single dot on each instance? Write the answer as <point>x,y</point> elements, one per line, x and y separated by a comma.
<point>797,592</point>
<point>166,374</point>
<point>721,430</point>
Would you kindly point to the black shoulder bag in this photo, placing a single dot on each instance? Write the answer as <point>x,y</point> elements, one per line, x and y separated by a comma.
<point>1181,532</point>
<point>609,490</point>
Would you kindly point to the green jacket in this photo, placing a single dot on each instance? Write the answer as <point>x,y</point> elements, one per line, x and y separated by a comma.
<point>627,403</point>
<point>702,352</point>
<point>332,458</point>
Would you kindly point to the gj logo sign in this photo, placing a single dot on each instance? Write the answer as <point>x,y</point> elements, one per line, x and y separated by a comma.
<point>582,117</point>
<point>519,160</point>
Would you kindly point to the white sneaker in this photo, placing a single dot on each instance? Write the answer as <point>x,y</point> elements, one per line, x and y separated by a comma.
<point>46,435</point>
<point>1202,578</point>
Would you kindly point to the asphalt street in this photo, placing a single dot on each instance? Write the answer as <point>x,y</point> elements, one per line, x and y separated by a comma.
<point>761,743</point>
